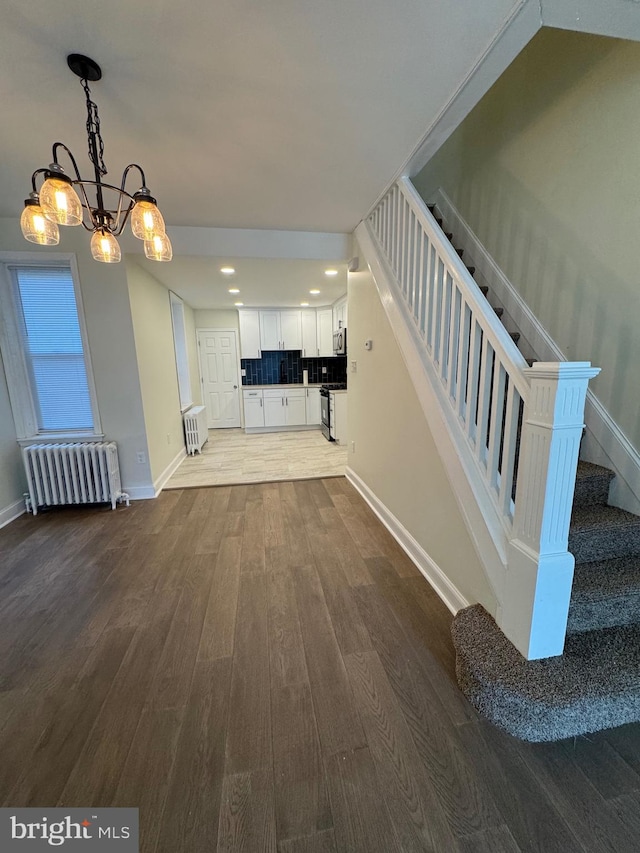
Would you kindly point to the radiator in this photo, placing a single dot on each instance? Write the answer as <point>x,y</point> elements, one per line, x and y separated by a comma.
<point>80,473</point>
<point>196,433</point>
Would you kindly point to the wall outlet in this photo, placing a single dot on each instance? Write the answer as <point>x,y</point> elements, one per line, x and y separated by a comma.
<point>243,372</point>
<point>324,369</point>
<point>353,447</point>
<point>354,366</point>
<point>141,457</point>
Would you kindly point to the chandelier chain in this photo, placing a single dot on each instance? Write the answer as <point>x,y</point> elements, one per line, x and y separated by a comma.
<point>93,131</point>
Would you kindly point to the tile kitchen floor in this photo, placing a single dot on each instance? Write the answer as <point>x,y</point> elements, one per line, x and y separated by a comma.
<point>232,457</point>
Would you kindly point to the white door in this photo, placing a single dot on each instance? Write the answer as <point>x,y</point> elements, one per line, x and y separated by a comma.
<point>219,371</point>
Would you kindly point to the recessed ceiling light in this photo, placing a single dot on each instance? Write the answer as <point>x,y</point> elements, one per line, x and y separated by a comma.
<point>314,292</point>
<point>304,304</point>
<point>331,272</point>
<point>227,270</point>
<point>238,304</point>
<point>234,290</point>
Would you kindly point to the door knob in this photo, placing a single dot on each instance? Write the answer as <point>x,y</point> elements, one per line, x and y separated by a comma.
<point>236,387</point>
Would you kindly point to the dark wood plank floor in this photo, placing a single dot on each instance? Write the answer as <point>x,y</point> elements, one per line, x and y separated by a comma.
<point>261,668</point>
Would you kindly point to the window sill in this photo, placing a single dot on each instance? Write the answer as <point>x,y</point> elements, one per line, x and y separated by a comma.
<point>60,438</point>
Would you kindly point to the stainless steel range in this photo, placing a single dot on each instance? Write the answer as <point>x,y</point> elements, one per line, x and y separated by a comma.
<point>325,407</point>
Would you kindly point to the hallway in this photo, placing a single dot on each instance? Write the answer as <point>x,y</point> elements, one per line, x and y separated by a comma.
<point>261,668</point>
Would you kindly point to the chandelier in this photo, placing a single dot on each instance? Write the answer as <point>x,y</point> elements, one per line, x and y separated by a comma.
<point>99,207</point>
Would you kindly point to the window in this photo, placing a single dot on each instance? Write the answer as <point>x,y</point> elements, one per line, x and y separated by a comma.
<point>45,353</point>
<point>182,353</point>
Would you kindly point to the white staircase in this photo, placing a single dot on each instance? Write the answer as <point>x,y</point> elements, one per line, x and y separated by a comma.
<point>512,431</point>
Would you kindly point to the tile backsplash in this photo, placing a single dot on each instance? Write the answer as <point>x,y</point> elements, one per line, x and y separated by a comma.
<point>279,368</point>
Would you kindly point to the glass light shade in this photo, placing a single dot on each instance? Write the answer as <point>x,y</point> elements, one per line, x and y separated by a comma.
<point>60,202</point>
<point>158,248</point>
<point>105,247</point>
<point>146,220</point>
<point>36,228</point>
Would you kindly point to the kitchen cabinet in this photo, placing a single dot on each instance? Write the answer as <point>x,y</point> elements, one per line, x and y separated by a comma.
<point>253,409</point>
<point>270,335</point>
<point>324,326</point>
<point>291,330</point>
<point>285,407</point>
<point>249,334</point>
<point>274,409</point>
<point>280,330</point>
<point>338,416</point>
<point>340,314</point>
<point>313,406</point>
<point>296,407</point>
<point>309,333</point>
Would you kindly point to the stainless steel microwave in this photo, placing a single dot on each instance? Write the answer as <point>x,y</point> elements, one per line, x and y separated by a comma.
<point>340,342</point>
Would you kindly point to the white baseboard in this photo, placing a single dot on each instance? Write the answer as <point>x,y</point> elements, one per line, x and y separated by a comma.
<point>605,443</point>
<point>159,482</point>
<point>449,593</point>
<point>11,512</point>
<point>144,493</point>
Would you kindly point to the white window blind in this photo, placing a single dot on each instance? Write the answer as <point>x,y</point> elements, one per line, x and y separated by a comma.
<point>52,345</point>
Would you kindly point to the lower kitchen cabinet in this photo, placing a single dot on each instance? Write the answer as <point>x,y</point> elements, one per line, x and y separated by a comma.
<point>273,408</point>
<point>284,407</point>
<point>253,409</point>
<point>313,406</point>
<point>338,417</point>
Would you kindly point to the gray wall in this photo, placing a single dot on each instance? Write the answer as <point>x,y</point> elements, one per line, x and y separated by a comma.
<point>546,172</point>
<point>107,312</point>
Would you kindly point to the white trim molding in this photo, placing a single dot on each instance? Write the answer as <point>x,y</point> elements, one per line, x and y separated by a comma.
<point>604,442</point>
<point>432,572</point>
<point>11,512</point>
<point>160,482</point>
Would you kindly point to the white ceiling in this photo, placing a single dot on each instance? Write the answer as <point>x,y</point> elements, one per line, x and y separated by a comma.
<point>263,282</point>
<point>293,114</point>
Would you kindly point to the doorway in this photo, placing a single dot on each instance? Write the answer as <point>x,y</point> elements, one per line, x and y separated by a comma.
<point>218,353</point>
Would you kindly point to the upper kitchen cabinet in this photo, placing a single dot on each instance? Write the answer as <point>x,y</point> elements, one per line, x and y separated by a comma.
<point>249,334</point>
<point>340,313</point>
<point>309,333</point>
<point>280,330</point>
<point>324,327</point>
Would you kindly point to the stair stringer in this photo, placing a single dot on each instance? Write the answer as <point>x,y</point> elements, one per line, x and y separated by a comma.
<point>604,442</point>
<point>484,524</point>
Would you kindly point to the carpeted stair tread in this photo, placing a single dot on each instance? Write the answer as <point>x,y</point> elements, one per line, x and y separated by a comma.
<point>594,685</point>
<point>600,532</point>
<point>605,593</point>
<point>592,484</point>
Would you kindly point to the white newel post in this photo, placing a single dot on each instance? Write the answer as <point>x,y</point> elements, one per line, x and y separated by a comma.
<point>539,567</point>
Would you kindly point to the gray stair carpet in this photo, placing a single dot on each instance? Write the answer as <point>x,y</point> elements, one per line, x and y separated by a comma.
<point>595,683</point>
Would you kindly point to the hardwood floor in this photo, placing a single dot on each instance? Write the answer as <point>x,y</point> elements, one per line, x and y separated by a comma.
<point>232,457</point>
<point>261,668</point>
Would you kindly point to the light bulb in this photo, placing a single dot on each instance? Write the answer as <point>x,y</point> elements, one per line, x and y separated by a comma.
<point>36,228</point>
<point>105,247</point>
<point>158,248</point>
<point>59,200</point>
<point>146,219</point>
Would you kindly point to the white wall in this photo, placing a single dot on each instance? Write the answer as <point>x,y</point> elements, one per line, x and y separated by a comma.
<point>111,344</point>
<point>545,170</point>
<point>395,454</point>
<point>155,352</point>
<point>192,348</point>
<point>227,319</point>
